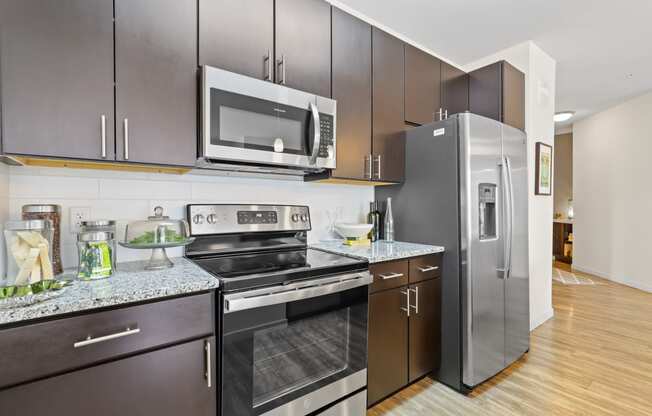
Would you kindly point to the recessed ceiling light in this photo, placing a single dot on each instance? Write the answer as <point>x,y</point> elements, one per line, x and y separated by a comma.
<point>563,116</point>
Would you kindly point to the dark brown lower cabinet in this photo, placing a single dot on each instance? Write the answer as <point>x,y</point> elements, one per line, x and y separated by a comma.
<point>402,346</point>
<point>387,343</point>
<point>424,329</point>
<point>169,382</point>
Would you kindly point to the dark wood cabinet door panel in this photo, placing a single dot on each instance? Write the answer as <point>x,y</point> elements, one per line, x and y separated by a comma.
<point>168,382</point>
<point>425,267</point>
<point>388,275</point>
<point>388,143</point>
<point>352,90</point>
<point>237,36</point>
<point>425,328</point>
<point>56,77</point>
<point>303,45</point>
<point>156,81</point>
<point>39,350</point>
<point>513,97</point>
<point>454,89</point>
<point>388,348</point>
<point>422,86</point>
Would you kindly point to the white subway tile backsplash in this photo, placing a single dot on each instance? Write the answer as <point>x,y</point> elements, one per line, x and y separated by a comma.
<point>130,196</point>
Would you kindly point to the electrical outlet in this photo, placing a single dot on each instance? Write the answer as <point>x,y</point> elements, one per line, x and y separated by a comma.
<point>77,215</point>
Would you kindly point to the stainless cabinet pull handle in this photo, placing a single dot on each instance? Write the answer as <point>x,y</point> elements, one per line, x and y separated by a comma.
<point>209,370</point>
<point>390,276</point>
<point>441,113</point>
<point>281,65</point>
<point>367,167</point>
<point>416,300</point>
<point>126,132</point>
<point>427,269</point>
<point>445,114</point>
<point>407,296</point>
<point>103,135</point>
<point>90,340</point>
<point>268,64</point>
<point>378,164</point>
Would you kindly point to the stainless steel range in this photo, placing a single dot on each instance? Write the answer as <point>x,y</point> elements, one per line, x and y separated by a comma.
<point>293,320</point>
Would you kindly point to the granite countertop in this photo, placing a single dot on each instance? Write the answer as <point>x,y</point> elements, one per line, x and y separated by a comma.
<point>378,251</point>
<point>131,283</point>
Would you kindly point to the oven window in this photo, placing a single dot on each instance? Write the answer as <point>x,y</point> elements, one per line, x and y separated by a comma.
<point>251,123</point>
<point>290,356</point>
<point>276,354</point>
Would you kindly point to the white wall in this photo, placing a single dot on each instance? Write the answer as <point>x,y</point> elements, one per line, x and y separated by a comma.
<point>612,194</point>
<point>129,196</point>
<point>540,70</point>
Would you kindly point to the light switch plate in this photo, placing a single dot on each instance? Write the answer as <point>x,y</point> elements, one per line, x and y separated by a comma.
<point>77,215</point>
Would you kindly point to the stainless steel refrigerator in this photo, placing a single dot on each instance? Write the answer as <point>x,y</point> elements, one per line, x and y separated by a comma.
<point>466,188</point>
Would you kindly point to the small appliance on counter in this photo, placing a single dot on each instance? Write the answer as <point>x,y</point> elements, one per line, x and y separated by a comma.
<point>293,320</point>
<point>157,233</point>
<point>53,213</point>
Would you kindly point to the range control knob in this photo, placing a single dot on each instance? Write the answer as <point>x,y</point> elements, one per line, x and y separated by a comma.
<point>211,219</point>
<point>304,217</point>
<point>198,219</point>
<point>295,217</point>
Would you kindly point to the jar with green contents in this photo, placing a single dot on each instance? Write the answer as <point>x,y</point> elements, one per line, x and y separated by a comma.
<point>96,255</point>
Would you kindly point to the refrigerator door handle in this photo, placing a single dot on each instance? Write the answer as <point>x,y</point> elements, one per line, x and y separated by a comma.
<point>509,237</point>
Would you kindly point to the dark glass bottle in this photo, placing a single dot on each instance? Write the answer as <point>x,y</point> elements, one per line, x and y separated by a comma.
<point>377,220</point>
<point>371,219</point>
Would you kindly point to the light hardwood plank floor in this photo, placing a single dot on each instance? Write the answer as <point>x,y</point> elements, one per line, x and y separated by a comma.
<point>593,358</point>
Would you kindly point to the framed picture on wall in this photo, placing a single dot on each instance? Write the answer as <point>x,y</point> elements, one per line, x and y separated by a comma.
<point>543,172</point>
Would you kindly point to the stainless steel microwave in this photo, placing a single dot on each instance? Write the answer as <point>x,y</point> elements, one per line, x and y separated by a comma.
<point>251,124</point>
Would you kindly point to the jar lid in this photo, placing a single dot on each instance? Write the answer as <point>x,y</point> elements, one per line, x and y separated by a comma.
<point>41,208</point>
<point>95,236</point>
<point>28,225</point>
<point>98,223</point>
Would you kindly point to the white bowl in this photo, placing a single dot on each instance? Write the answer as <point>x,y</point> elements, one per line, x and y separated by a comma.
<point>353,230</point>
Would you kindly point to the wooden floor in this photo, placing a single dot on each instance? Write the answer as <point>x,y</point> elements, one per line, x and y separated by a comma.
<point>593,358</point>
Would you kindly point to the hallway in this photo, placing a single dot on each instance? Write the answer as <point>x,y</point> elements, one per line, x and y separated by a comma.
<point>593,358</point>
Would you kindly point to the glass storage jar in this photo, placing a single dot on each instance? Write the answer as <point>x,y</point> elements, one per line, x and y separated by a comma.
<point>50,212</point>
<point>96,255</point>
<point>29,252</point>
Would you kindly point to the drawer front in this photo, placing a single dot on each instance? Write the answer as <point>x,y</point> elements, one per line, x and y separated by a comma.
<point>388,275</point>
<point>39,350</point>
<point>425,267</point>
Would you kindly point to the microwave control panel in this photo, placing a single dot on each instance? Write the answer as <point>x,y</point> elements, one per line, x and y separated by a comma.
<point>327,130</point>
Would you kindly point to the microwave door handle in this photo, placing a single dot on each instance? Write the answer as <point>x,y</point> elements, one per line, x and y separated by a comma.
<point>316,143</point>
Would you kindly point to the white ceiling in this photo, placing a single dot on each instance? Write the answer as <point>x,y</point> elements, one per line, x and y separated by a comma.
<point>602,48</point>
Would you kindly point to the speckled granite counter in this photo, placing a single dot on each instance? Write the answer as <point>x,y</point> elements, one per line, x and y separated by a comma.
<point>130,284</point>
<point>378,251</point>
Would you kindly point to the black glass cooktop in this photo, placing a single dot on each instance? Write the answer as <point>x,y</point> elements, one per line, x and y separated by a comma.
<point>240,271</point>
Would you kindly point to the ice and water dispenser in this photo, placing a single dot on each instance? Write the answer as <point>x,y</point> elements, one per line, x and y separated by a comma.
<point>487,211</point>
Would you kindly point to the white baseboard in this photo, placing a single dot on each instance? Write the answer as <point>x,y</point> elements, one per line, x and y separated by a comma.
<point>535,321</point>
<point>647,287</point>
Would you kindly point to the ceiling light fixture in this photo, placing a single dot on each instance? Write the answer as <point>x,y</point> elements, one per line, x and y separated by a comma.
<point>563,116</point>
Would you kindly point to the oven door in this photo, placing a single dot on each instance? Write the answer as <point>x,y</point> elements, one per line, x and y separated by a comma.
<point>295,349</point>
<point>253,121</point>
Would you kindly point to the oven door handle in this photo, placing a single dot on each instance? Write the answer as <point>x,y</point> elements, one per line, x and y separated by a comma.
<point>291,293</point>
<point>316,142</point>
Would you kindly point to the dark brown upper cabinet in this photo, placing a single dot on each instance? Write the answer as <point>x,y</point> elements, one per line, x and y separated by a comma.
<point>238,36</point>
<point>352,90</point>
<point>56,77</point>
<point>388,140</point>
<point>454,90</point>
<point>422,86</point>
<point>303,45</point>
<point>156,81</point>
<point>497,91</point>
